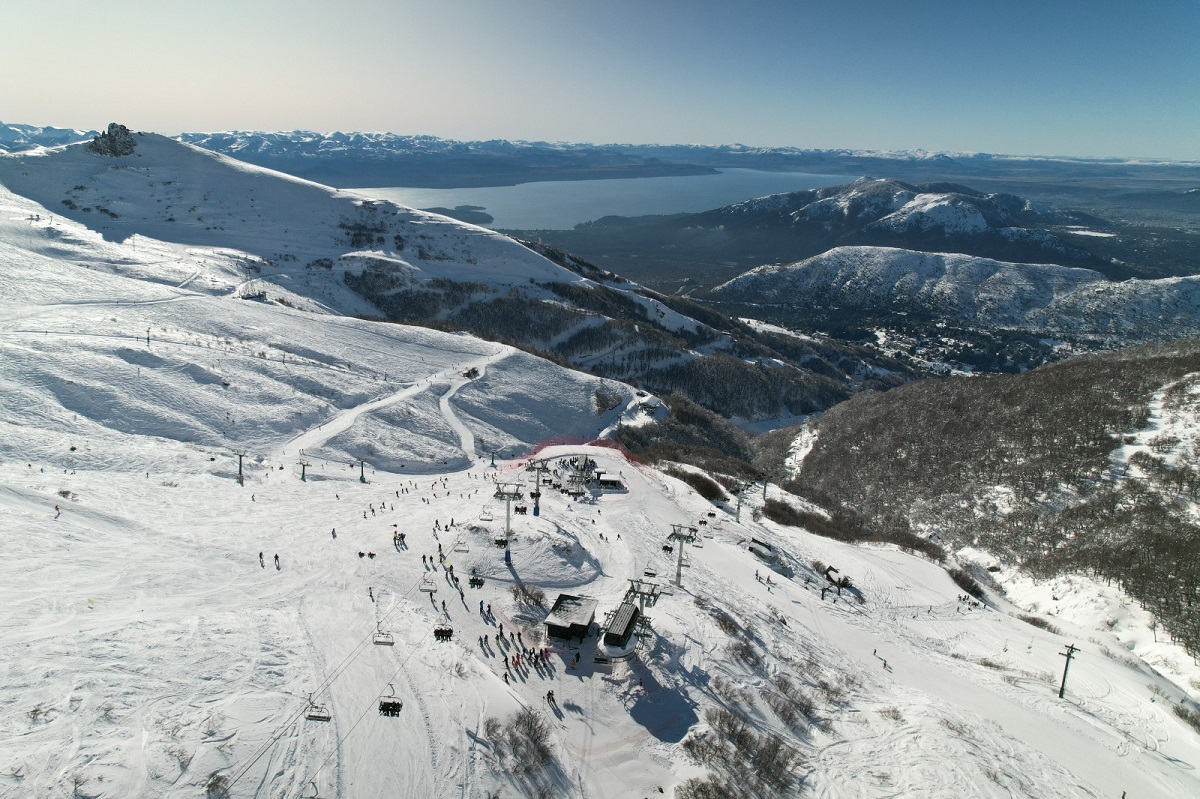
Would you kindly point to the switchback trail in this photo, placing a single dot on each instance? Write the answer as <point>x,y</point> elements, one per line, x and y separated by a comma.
<point>451,375</point>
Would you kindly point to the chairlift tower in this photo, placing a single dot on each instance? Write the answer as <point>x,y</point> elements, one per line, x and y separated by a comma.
<point>681,535</point>
<point>303,465</point>
<point>362,469</point>
<point>536,493</point>
<point>644,590</point>
<point>508,492</point>
<point>241,453</point>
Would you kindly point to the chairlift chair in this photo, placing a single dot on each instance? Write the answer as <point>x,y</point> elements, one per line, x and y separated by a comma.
<point>461,546</point>
<point>317,712</point>
<point>428,585</point>
<point>382,638</point>
<point>486,516</point>
<point>389,705</point>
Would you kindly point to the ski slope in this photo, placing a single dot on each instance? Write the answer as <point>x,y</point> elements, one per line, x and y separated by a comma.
<point>147,652</point>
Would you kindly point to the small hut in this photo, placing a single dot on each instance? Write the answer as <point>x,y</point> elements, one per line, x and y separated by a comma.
<point>609,482</point>
<point>622,625</point>
<point>570,617</point>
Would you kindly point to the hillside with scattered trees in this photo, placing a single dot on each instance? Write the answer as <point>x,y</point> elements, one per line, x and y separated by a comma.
<point>1088,466</point>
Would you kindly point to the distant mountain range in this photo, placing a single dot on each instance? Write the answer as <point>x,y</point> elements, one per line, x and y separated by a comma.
<point>388,159</point>
<point>703,249</point>
<point>15,137</point>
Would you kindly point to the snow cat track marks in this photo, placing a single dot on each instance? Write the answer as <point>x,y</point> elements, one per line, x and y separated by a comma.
<point>430,765</point>
<point>317,667</point>
<point>316,436</point>
<point>281,764</point>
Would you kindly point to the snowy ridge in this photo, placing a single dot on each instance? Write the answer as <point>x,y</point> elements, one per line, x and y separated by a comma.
<point>1040,298</point>
<point>286,228</point>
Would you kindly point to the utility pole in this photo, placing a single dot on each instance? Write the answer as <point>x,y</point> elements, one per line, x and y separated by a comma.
<point>1071,650</point>
<point>303,465</point>
<point>241,453</point>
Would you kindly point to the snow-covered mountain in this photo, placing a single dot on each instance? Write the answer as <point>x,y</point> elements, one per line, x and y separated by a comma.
<point>240,221</point>
<point>701,250</point>
<point>15,137</point>
<point>153,646</point>
<point>1043,299</point>
<point>884,209</point>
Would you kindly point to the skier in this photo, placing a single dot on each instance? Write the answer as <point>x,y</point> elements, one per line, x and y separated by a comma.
<point>57,511</point>
<point>371,593</point>
<point>260,561</point>
<point>335,532</point>
<point>277,560</point>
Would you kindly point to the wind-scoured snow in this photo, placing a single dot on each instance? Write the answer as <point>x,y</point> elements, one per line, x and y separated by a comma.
<point>148,652</point>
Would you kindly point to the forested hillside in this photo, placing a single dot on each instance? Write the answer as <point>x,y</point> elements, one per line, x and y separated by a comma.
<point>1087,465</point>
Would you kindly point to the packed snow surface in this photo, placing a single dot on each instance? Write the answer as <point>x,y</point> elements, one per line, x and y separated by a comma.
<point>153,646</point>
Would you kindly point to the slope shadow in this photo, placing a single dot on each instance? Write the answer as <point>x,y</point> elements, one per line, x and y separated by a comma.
<point>665,712</point>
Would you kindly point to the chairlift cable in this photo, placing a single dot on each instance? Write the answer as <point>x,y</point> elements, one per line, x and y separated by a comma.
<point>355,652</point>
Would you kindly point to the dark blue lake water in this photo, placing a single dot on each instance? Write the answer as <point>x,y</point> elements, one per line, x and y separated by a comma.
<point>560,205</point>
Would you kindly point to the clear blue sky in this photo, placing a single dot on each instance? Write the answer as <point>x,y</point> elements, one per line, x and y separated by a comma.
<point>1095,78</point>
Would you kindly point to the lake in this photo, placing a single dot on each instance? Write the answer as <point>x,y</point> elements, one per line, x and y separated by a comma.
<point>560,205</point>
